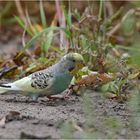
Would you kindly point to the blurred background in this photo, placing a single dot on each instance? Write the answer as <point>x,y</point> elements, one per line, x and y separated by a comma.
<point>31,10</point>
<point>39,32</point>
<point>36,34</point>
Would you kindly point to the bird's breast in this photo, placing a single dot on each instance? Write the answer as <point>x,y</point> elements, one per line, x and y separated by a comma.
<point>61,83</point>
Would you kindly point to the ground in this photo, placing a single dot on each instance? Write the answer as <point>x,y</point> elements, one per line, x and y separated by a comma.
<point>45,119</point>
<point>96,116</point>
<point>107,34</point>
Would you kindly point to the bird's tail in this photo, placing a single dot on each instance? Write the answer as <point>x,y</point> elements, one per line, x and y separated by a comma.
<point>4,88</point>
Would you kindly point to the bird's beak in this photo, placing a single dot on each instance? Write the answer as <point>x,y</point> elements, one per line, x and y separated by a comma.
<point>81,64</point>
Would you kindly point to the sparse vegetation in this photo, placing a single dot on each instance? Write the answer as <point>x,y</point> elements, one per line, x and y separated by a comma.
<point>106,33</point>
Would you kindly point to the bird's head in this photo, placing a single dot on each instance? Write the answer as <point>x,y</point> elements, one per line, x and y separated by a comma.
<point>73,62</point>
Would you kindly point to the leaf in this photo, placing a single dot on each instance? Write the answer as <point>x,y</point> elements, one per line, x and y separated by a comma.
<point>47,41</point>
<point>20,21</point>
<point>48,37</point>
<point>129,22</point>
<point>69,22</point>
<point>68,16</point>
<point>95,80</point>
<point>20,58</point>
<point>6,72</point>
<point>133,76</point>
<point>42,15</point>
<point>105,87</point>
<point>22,24</point>
<point>129,48</point>
<point>110,87</point>
<point>35,28</point>
<point>35,37</point>
<point>31,67</point>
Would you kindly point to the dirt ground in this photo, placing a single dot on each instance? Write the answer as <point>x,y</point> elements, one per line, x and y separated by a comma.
<point>95,115</point>
<point>45,119</point>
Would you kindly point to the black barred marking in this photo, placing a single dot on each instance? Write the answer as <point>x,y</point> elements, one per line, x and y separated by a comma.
<point>40,80</point>
<point>5,86</point>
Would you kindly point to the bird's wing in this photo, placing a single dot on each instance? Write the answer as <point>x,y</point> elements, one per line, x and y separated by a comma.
<point>35,82</point>
<point>23,84</point>
<point>42,79</point>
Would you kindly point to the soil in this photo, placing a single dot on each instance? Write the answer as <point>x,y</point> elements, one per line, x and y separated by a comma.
<point>45,119</point>
<point>93,116</point>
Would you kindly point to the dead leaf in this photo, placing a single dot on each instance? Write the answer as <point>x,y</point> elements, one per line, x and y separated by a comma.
<point>95,79</point>
<point>37,51</point>
<point>6,72</point>
<point>133,76</point>
<point>35,27</point>
<point>6,63</point>
<point>21,59</point>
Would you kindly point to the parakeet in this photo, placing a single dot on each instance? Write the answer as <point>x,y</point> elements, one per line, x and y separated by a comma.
<point>51,81</point>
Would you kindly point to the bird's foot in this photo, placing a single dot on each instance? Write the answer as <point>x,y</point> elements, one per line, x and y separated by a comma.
<point>66,96</point>
<point>67,93</point>
<point>57,97</point>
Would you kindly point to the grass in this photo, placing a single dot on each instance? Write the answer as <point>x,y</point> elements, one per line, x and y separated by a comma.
<point>108,44</point>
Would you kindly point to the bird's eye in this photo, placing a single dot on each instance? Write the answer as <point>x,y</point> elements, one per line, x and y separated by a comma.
<point>73,60</point>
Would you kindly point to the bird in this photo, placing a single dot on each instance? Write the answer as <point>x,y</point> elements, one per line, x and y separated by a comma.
<point>50,81</point>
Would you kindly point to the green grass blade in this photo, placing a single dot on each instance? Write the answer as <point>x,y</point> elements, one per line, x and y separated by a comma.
<point>20,21</point>
<point>42,15</point>
<point>40,34</point>
<point>100,10</point>
<point>22,24</point>
<point>48,41</point>
<point>129,48</point>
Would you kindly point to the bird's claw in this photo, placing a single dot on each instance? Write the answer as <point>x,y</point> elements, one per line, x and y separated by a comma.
<point>60,97</point>
<point>57,97</point>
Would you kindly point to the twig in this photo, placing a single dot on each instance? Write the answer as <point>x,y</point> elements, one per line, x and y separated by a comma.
<point>61,19</point>
<point>100,10</point>
<point>29,21</point>
<point>20,10</point>
<point>109,7</point>
<point>114,29</point>
<point>117,26</point>
<point>23,35</point>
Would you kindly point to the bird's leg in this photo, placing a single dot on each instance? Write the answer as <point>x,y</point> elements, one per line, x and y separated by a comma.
<point>68,93</point>
<point>55,97</point>
<point>34,96</point>
<point>64,97</point>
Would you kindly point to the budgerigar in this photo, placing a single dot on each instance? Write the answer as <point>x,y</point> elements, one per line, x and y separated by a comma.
<point>50,81</point>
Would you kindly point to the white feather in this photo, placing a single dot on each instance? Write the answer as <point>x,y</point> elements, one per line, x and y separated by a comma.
<point>5,89</point>
<point>23,84</point>
<point>2,90</point>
